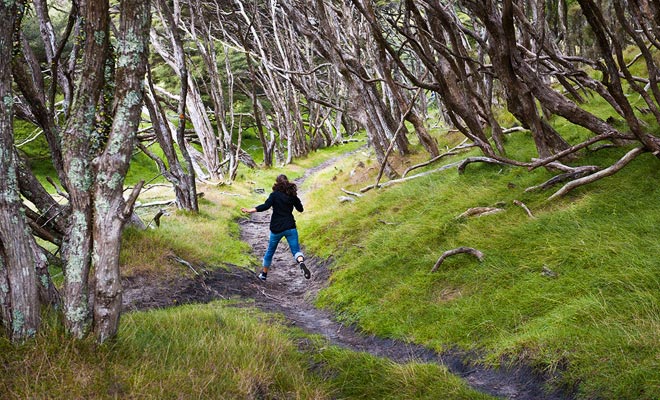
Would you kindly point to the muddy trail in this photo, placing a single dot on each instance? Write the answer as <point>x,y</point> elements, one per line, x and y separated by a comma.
<point>287,292</point>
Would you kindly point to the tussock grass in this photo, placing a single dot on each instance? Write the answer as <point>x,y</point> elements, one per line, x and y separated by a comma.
<point>597,322</point>
<point>208,351</point>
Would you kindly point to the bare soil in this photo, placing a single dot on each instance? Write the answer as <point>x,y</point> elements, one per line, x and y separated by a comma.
<point>287,292</point>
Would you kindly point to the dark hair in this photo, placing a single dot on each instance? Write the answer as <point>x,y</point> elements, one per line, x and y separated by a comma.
<point>283,185</point>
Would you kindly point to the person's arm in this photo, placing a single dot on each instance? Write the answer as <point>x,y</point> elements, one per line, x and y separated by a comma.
<point>298,204</point>
<point>262,207</point>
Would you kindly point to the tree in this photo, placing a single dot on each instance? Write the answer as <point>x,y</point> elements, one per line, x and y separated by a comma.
<point>19,305</point>
<point>111,211</point>
<point>91,144</point>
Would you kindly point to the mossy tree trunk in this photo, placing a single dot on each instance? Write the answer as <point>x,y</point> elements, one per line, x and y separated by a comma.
<point>19,302</point>
<point>111,210</point>
<point>77,138</point>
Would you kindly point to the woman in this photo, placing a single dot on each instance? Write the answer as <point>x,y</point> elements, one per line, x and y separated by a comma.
<point>283,199</point>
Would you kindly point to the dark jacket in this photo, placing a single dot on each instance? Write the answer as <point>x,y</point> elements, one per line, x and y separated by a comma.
<point>282,218</point>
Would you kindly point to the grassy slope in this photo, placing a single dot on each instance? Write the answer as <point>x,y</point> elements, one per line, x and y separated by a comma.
<point>599,319</point>
<point>209,351</point>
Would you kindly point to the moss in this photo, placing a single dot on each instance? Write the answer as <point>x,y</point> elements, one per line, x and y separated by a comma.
<point>76,262</point>
<point>44,280</point>
<point>102,206</point>
<point>8,101</point>
<point>99,37</point>
<point>18,321</point>
<point>131,49</point>
<point>77,314</point>
<point>116,181</point>
<point>133,98</point>
<point>79,175</point>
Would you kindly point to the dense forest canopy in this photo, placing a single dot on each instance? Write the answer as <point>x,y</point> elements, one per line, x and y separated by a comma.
<point>102,79</point>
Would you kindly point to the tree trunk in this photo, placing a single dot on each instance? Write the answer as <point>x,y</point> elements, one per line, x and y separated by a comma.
<point>191,98</point>
<point>76,152</point>
<point>111,211</point>
<point>173,171</point>
<point>19,302</point>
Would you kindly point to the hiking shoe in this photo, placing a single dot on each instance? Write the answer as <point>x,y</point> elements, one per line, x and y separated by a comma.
<point>263,276</point>
<point>304,269</point>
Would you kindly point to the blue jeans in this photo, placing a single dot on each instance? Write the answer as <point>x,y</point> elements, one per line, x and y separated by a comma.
<point>291,236</point>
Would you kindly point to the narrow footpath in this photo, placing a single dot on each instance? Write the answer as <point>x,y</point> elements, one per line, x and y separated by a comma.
<point>287,292</point>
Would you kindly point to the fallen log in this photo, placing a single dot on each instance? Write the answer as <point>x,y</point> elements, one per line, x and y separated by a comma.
<point>351,193</point>
<point>459,250</point>
<point>449,152</point>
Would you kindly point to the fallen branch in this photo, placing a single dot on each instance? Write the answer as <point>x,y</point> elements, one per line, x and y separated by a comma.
<point>603,146</point>
<point>513,129</point>
<point>157,217</point>
<point>395,181</point>
<point>351,193</point>
<point>387,223</point>
<point>479,212</point>
<point>470,160</point>
<point>524,207</point>
<point>155,203</point>
<point>449,152</point>
<point>611,170</point>
<point>345,199</point>
<point>576,173</point>
<point>184,262</point>
<point>573,149</point>
<point>449,253</point>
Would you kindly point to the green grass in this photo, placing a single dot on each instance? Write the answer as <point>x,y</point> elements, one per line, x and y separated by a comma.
<point>211,351</point>
<point>362,376</point>
<point>599,319</point>
<point>208,351</point>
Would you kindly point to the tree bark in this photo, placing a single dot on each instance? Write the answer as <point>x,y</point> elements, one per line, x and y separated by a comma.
<point>19,302</point>
<point>111,210</point>
<point>173,171</point>
<point>77,155</point>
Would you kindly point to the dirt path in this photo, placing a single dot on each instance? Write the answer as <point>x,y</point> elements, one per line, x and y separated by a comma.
<point>287,292</point>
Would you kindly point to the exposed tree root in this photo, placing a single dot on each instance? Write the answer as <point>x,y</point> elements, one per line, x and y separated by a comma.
<point>479,212</point>
<point>459,250</point>
<point>571,174</point>
<point>524,207</point>
<point>611,170</point>
<point>470,160</point>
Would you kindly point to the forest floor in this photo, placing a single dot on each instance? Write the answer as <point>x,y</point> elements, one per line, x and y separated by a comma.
<point>288,293</point>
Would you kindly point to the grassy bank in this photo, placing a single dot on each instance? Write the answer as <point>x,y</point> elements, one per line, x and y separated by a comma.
<point>212,351</point>
<point>597,321</point>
